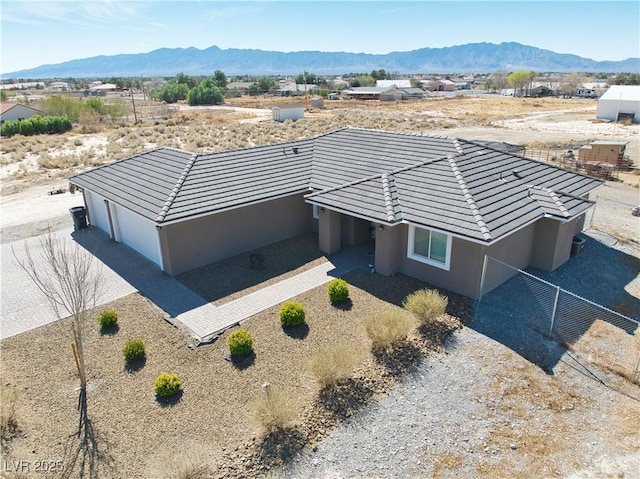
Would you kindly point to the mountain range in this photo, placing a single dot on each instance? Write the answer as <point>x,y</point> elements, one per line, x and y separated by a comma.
<point>469,58</point>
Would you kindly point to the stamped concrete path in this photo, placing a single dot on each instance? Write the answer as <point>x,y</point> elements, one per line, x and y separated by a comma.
<point>23,307</point>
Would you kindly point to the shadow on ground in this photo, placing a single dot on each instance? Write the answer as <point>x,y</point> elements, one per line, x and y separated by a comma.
<point>163,290</point>
<point>519,313</point>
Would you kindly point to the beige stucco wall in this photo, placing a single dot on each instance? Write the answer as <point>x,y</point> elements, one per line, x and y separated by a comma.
<point>552,244</point>
<point>467,258</point>
<point>190,244</point>
<point>354,231</point>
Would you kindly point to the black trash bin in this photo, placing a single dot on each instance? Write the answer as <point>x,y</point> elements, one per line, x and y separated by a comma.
<point>577,246</point>
<point>79,214</point>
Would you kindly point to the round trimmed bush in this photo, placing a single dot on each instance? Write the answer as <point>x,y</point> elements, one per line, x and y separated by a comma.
<point>167,385</point>
<point>240,343</point>
<point>338,290</point>
<point>108,320</point>
<point>133,350</point>
<point>291,314</point>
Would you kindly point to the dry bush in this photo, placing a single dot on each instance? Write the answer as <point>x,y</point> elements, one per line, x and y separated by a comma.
<point>388,329</point>
<point>426,305</point>
<point>333,364</point>
<point>194,462</point>
<point>273,409</point>
<point>8,413</point>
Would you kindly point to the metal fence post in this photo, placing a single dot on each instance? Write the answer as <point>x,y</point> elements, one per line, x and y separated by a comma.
<point>555,309</point>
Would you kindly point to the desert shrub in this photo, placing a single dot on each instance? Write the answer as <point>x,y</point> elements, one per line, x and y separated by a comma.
<point>333,364</point>
<point>338,290</point>
<point>8,415</point>
<point>388,329</point>
<point>36,125</point>
<point>426,305</point>
<point>133,350</point>
<point>108,320</point>
<point>291,314</point>
<point>167,385</point>
<point>273,409</point>
<point>240,343</point>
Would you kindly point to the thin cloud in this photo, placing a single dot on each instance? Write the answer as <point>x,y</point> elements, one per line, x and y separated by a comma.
<point>235,11</point>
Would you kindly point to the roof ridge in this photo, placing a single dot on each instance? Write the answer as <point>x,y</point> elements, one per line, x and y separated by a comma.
<point>176,189</point>
<point>388,199</point>
<point>469,198</point>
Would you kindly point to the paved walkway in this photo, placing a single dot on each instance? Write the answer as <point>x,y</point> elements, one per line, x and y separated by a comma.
<point>23,307</point>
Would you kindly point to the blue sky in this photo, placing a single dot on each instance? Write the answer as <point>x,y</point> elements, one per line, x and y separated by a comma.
<point>36,33</point>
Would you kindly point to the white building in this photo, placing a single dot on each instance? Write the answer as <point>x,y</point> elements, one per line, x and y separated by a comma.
<point>288,111</point>
<point>620,102</point>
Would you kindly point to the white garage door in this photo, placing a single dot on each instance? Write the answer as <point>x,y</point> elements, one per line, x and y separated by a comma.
<point>137,232</point>
<point>97,211</point>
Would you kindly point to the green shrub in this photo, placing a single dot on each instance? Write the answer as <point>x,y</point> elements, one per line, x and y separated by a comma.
<point>240,343</point>
<point>108,319</point>
<point>338,290</point>
<point>388,329</point>
<point>167,385</point>
<point>426,305</point>
<point>133,350</point>
<point>291,314</point>
<point>331,365</point>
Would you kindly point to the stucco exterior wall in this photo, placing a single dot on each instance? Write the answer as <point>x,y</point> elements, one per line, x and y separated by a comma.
<point>190,244</point>
<point>467,259</point>
<point>552,244</point>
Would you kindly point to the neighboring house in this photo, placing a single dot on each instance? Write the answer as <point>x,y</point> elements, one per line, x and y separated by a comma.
<point>620,102</point>
<point>442,85</point>
<point>58,86</point>
<point>295,89</point>
<point>610,152</point>
<point>241,86</point>
<point>288,111</point>
<point>395,83</point>
<point>391,94</point>
<point>436,205</point>
<point>17,111</point>
<point>413,93</point>
<point>365,92</point>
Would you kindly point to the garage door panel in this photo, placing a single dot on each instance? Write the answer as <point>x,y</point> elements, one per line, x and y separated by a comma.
<point>97,211</point>
<point>137,232</point>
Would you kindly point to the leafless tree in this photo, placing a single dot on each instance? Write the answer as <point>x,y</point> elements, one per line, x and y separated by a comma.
<point>65,274</point>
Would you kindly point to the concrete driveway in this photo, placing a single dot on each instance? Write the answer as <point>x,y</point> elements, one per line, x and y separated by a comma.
<point>22,305</point>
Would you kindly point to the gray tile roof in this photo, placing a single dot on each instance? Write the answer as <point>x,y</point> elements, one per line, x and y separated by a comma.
<point>458,186</point>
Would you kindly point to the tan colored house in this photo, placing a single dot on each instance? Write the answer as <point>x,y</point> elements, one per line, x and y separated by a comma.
<point>603,151</point>
<point>435,205</point>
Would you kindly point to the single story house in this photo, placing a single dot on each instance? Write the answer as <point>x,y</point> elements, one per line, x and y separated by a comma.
<point>395,83</point>
<point>288,111</point>
<point>364,93</point>
<point>435,205</point>
<point>442,85</point>
<point>295,89</point>
<point>413,93</point>
<point>620,102</point>
<point>241,86</point>
<point>17,111</point>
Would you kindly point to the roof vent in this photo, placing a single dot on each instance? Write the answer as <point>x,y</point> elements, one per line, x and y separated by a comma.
<point>517,174</point>
<point>295,150</point>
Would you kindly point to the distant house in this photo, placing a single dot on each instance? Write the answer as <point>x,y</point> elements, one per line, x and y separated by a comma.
<point>17,111</point>
<point>436,206</point>
<point>241,86</point>
<point>391,94</point>
<point>396,83</point>
<point>295,89</point>
<point>364,93</point>
<point>443,85</point>
<point>620,102</point>
<point>412,93</point>
<point>288,111</point>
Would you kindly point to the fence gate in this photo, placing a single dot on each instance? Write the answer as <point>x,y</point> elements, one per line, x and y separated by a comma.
<point>597,334</point>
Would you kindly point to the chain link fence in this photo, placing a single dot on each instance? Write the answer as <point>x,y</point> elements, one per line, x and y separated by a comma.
<point>598,334</point>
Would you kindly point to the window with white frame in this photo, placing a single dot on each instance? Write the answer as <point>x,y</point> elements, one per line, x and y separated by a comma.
<point>429,246</point>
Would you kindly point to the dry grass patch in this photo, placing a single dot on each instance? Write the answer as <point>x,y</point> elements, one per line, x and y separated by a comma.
<point>274,409</point>
<point>333,364</point>
<point>8,414</point>
<point>388,329</point>
<point>427,305</point>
